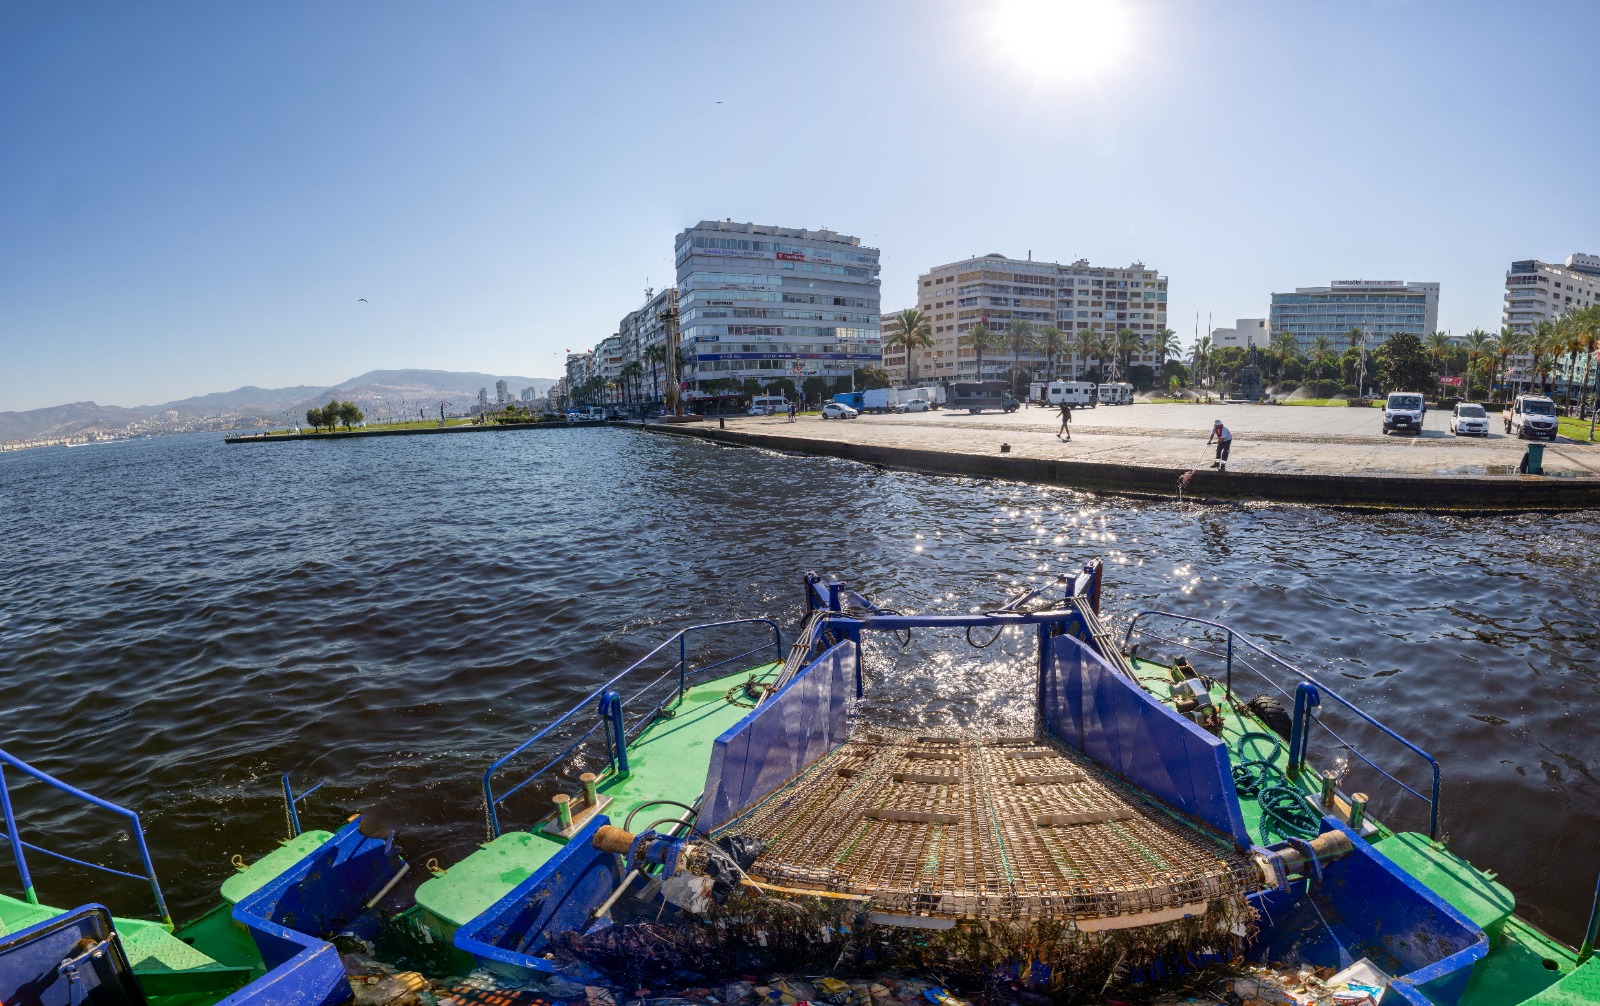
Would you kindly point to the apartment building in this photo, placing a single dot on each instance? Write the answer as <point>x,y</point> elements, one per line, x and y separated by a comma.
<point>1378,308</point>
<point>646,327</point>
<point>764,302</point>
<point>1543,291</point>
<point>995,290</point>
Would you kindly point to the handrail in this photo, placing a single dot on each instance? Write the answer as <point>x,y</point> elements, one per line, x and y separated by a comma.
<point>291,801</point>
<point>18,844</point>
<point>607,707</point>
<point>1229,656</point>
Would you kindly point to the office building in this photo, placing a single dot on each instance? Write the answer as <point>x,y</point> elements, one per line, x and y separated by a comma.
<point>994,290</point>
<point>770,302</point>
<point>502,393</point>
<point>1377,308</point>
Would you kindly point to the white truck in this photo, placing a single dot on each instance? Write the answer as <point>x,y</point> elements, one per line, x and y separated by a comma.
<point>879,400</point>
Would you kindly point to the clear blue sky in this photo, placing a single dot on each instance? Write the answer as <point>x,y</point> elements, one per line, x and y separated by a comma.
<point>193,196</point>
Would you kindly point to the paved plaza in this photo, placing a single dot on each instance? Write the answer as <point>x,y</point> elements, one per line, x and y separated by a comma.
<point>1267,438</point>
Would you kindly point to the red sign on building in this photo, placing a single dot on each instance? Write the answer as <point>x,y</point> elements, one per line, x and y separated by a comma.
<point>792,256</point>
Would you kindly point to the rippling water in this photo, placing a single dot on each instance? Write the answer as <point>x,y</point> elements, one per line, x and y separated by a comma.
<point>184,619</point>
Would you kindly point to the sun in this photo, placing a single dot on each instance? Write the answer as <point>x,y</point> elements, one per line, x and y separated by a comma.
<point>1060,39</point>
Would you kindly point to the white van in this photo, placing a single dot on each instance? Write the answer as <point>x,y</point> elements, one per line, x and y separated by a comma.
<point>1532,416</point>
<point>1075,393</point>
<point>768,405</point>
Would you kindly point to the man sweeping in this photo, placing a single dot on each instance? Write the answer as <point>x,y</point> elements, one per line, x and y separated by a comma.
<point>1224,441</point>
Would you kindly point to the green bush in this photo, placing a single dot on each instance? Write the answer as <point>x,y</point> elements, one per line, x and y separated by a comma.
<point>1288,387</point>
<point>1350,391</point>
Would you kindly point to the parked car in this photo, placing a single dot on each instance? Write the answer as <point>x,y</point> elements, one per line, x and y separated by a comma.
<point>1403,412</point>
<point>1469,420</point>
<point>1532,416</point>
<point>838,410</point>
<point>914,405</point>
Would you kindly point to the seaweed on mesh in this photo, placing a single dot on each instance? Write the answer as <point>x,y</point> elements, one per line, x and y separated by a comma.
<point>760,933</point>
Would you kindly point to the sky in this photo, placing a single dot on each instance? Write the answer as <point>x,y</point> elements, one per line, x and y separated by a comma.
<point>196,196</point>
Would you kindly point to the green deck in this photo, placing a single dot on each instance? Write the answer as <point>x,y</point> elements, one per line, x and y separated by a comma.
<point>667,761</point>
<point>1524,965</point>
<point>202,960</point>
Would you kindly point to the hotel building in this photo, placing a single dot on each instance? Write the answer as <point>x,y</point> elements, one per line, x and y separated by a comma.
<point>1543,291</point>
<point>1379,308</point>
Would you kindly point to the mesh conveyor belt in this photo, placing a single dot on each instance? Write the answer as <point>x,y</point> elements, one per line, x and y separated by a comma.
<point>960,834</point>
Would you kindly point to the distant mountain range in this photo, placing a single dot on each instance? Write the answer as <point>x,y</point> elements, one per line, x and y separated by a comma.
<point>377,392</point>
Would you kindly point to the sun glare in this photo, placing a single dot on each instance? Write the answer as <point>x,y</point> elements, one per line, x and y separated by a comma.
<point>1060,39</point>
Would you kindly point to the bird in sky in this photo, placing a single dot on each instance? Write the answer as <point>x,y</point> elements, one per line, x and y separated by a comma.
<point>365,301</point>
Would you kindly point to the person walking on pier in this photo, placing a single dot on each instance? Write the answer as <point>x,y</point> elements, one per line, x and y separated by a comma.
<point>1224,439</point>
<point>1066,422</point>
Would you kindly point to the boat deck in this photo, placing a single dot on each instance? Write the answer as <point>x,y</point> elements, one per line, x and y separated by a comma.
<point>957,827</point>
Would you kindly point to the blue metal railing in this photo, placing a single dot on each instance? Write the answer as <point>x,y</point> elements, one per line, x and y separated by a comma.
<point>1305,702</point>
<point>291,804</point>
<point>607,705</point>
<point>18,845</point>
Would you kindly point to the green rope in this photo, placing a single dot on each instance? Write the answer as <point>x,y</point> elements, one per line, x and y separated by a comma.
<point>1284,811</point>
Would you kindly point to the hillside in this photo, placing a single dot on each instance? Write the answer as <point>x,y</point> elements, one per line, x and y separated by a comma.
<point>376,391</point>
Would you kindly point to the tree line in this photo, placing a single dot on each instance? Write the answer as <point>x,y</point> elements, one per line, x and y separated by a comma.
<point>332,415</point>
<point>1480,358</point>
<point>1112,352</point>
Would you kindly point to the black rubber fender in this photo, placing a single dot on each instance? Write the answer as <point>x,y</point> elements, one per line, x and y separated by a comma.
<point>1270,711</point>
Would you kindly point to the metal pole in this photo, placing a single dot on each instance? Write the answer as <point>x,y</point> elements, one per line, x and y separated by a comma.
<point>682,661</point>
<point>16,841</point>
<point>612,702</point>
<point>1229,684</point>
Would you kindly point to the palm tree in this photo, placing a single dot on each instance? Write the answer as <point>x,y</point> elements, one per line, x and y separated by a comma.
<point>1322,354</point>
<point>657,356</point>
<point>1510,344</point>
<point>1583,334</point>
<point>980,340</point>
<point>1201,354</point>
<point>1166,346</point>
<point>1126,343</point>
<point>632,373</point>
<point>1438,346</point>
<point>1051,343</point>
<point>1019,339</point>
<point>1355,335</point>
<point>908,331</point>
<point>1285,347</point>
<point>1084,344</point>
<point>1478,342</point>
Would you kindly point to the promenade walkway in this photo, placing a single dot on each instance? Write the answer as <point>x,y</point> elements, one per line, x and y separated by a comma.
<point>1282,439</point>
<point>1307,454</point>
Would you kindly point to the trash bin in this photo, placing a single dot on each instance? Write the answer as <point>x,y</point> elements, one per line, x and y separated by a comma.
<point>1535,459</point>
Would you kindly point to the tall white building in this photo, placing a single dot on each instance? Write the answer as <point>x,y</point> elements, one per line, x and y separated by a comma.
<point>1543,291</point>
<point>502,392</point>
<point>765,302</point>
<point>994,290</point>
